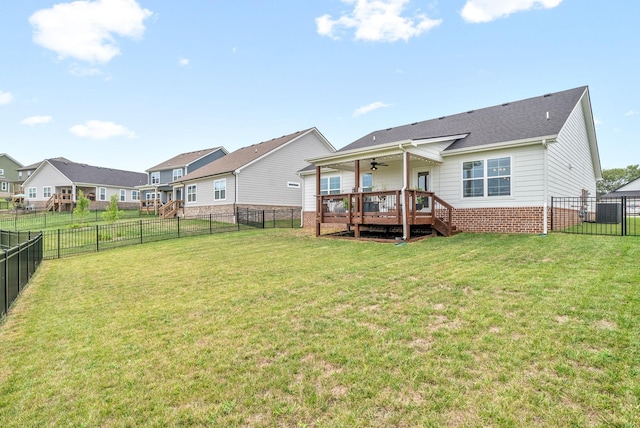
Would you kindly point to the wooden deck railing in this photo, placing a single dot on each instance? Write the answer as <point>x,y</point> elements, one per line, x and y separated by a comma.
<point>386,208</point>
<point>170,209</point>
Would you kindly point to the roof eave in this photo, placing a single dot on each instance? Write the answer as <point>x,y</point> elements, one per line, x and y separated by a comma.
<point>501,145</point>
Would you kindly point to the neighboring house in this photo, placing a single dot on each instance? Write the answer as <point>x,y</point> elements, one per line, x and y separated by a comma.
<point>9,181</point>
<point>629,194</point>
<point>26,171</point>
<point>55,183</point>
<point>487,170</point>
<point>158,185</point>
<point>261,176</point>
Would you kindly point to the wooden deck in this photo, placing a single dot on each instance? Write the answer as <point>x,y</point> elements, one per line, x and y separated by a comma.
<point>365,211</point>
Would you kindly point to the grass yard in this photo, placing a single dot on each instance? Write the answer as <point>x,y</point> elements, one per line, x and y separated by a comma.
<point>278,328</point>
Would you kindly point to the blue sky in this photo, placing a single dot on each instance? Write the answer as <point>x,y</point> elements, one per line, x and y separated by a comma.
<point>127,84</point>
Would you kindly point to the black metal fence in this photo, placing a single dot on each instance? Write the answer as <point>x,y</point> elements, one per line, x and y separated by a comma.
<point>66,242</point>
<point>20,257</point>
<point>38,220</point>
<point>618,216</point>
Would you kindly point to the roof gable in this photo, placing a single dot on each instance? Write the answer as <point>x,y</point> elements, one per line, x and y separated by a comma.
<point>242,157</point>
<point>184,159</point>
<point>512,121</point>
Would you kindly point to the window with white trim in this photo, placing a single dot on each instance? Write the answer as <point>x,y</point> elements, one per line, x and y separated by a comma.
<point>220,190</point>
<point>155,177</point>
<point>102,193</point>
<point>123,195</point>
<point>330,185</point>
<point>191,193</point>
<point>177,174</point>
<point>46,192</point>
<point>32,193</point>
<point>19,175</point>
<point>135,195</point>
<point>482,178</point>
<point>4,186</point>
<point>1,171</point>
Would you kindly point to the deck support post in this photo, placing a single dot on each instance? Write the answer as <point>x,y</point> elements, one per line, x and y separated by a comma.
<point>358,208</point>
<point>318,202</point>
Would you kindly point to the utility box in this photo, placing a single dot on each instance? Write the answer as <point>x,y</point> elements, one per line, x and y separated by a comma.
<point>609,213</point>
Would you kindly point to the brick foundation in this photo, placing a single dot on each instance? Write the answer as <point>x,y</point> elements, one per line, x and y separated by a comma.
<point>488,220</point>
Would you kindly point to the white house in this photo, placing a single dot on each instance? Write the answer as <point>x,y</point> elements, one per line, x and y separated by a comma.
<point>493,169</point>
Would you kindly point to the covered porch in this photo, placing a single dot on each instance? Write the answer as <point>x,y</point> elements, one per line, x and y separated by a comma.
<point>391,197</point>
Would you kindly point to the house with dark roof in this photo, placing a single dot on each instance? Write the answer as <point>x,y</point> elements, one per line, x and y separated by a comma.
<point>55,183</point>
<point>492,169</point>
<point>259,176</point>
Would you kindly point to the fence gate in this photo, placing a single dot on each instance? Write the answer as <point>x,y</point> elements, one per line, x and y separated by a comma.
<point>618,216</point>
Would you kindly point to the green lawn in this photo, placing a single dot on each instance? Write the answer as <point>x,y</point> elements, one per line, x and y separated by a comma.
<point>278,328</point>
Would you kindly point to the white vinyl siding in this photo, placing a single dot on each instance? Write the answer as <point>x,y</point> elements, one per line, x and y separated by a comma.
<point>570,165</point>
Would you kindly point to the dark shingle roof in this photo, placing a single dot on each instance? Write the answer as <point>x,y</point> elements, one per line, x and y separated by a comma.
<point>87,174</point>
<point>241,157</point>
<point>501,123</point>
<point>183,159</point>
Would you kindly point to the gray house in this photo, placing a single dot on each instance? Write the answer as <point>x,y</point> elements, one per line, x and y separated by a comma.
<point>158,186</point>
<point>55,183</point>
<point>492,169</point>
<point>260,176</point>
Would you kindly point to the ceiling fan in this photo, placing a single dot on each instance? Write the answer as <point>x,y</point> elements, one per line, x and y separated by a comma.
<point>375,165</point>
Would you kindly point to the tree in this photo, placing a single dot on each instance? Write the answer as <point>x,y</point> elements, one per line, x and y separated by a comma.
<point>112,213</point>
<point>617,177</point>
<point>82,206</point>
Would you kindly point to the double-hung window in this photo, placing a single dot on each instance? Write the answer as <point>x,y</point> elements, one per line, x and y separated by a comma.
<point>135,195</point>
<point>102,193</point>
<point>32,193</point>
<point>123,195</point>
<point>191,193</point>
<point>330,185</point>
<point>4,186</point>
<point>491,177</point>
<point>177,174</point>
<point>367,182</point>
<point>220,190</point>
<point>155,177</point>
<point>46,192</point>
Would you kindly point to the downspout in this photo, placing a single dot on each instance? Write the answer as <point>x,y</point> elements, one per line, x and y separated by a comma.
<point>405,225</point>
<point>545,219</point>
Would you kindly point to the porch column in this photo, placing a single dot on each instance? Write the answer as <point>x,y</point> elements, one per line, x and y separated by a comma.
<point>318,202</point>
<point>406,230</point>
<point>358,208</point>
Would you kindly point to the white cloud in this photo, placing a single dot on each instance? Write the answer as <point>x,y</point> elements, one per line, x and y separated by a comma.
<point>376,20</point>
<point>5,98</point>
<point>597,121</point>
<point>183,61</point>
<point>632,113</point>
<point>369,108</point>
<point>36,120</point>
<point>84,29</point>
<point>476,11</point>
<point>100,130</point>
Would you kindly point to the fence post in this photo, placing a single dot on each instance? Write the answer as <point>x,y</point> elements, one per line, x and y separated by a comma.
<point>5,284</point>
<point>623,215</point>
<point>552,213</point>
<point>97,238</point>
<point>58,243</point>
<point>178,226</point>
<point>263,219</point>
<point>210,223</point>
<point>141,231</point>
